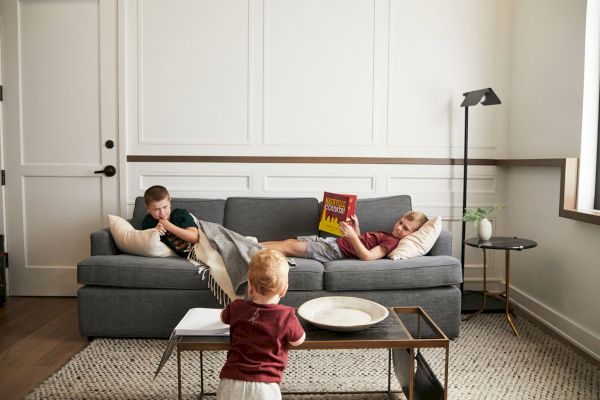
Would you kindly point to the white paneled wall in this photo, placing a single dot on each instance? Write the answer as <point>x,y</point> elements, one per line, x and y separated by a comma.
<point>434,58</point>
<point>319,65</point>
<point>379,78</point>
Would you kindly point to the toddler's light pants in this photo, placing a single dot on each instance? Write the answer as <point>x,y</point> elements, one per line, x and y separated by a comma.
<point>230,389</point>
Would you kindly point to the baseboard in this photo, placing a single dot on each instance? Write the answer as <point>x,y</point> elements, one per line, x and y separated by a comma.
<point>569,330</point>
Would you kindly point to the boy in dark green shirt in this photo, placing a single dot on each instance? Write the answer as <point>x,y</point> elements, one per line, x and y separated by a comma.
<point>176,228</point>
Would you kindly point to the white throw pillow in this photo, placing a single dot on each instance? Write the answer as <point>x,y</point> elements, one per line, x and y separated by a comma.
<point>142,243</point>
<point>420,242</point>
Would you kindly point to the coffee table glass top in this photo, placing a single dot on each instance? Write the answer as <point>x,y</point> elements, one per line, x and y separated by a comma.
<point>501,243</point>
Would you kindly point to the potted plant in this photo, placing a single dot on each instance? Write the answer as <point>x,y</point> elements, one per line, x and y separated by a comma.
<point>480,217</point>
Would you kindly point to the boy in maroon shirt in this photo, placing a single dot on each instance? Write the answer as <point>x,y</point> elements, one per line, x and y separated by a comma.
<point>368,246</point>
<point>261,331</point>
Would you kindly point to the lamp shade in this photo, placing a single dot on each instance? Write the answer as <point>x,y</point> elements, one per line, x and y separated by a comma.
<point>476,96</point>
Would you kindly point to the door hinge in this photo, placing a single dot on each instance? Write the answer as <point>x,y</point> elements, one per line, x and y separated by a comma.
<point>3,178</point>
<point>5,260</point>
<point>1,96</point>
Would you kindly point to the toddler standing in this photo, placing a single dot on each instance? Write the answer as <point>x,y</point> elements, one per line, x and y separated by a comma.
<point>261,331</point>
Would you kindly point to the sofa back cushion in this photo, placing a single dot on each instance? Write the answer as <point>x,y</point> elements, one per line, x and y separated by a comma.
<point>272,218</point>
<point>211,210</point>
<point>380,214</point>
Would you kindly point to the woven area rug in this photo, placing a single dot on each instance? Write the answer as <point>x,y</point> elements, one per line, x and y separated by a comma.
<point>486,362</point>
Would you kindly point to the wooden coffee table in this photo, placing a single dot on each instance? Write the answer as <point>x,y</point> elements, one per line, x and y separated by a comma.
<point>392,334</point>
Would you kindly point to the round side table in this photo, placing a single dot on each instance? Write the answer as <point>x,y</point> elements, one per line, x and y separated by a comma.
<point>499,243</point>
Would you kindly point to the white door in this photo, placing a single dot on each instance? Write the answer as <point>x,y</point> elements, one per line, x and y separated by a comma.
<point>59,66</point>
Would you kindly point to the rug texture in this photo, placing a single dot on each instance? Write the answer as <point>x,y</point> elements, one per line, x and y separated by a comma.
<point>486,362</point>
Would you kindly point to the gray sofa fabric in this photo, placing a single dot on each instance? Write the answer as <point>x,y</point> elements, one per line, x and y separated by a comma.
<point>131,296</point>
<point>129,271</point>
<point>272,218</point>
<point>420,272</point>
<point>108,311</point>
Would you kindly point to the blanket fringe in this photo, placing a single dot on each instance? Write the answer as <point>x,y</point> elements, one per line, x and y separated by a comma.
<point>214,287</point>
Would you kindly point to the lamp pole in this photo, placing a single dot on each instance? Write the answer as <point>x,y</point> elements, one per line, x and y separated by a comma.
<point>486,97</point>
<point>464,199</point>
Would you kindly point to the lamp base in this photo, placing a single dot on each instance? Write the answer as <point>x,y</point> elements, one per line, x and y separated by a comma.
<point>472,301</point>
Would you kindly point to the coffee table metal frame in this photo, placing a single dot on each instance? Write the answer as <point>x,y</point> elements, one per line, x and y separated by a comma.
<point>499,243</point>
<point>328,340</point>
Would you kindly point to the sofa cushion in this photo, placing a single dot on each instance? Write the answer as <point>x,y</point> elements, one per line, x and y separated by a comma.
<point>125,270</point>
<point>419,272</point>
<point>211,210</point>
<point>306,275</point>
<point>271,218</point>
<point>128,271</point>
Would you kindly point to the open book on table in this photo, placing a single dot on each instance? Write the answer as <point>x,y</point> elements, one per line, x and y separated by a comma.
<point>196,322</point>
<point>202,322</point>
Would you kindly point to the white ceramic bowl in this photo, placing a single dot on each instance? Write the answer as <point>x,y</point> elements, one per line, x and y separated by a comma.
<point>339,313</point>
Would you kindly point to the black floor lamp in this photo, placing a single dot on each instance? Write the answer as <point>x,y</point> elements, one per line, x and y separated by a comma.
<point>487,97</point>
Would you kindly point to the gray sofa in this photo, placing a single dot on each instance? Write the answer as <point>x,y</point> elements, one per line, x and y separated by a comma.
<point>131,296</point>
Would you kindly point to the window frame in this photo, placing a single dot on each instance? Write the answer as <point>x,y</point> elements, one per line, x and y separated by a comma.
<point>597,188</point>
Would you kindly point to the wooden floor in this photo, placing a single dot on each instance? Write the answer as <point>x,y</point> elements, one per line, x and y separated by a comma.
<point>38,335</point>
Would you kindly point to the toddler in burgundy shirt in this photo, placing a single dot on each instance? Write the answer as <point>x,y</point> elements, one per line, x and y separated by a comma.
<point>261,331</point>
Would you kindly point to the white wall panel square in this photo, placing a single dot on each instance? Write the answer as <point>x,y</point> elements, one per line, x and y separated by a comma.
<point>60,81</point>
<point>439,50</point>
<point>441,184</point>
<point>319,62</point>
<point>193,71</point>
<point>54,223</point>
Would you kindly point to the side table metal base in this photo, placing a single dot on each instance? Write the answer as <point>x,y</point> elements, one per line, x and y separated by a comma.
<point>499,243</point>
<point>472,301</point>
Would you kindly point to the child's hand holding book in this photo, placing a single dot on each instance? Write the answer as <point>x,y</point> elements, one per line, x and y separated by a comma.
<point>347,230</point>
<point>353,221</point>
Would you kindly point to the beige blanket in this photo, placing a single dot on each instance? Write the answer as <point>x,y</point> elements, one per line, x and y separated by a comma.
<point>224,255</point>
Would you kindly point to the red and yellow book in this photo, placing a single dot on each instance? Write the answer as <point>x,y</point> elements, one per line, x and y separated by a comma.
<point>336,208</point>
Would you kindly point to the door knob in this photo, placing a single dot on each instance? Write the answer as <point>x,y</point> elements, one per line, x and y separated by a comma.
<point>109,170</point>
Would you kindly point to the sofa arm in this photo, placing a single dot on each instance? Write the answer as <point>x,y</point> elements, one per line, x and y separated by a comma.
<point>443,245</point>
<point>103,243</point>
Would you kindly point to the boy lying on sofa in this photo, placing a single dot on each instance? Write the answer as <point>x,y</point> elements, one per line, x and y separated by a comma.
<point>366,247</point>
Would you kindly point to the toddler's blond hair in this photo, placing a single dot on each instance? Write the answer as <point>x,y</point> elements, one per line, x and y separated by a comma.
<point>268,272</point>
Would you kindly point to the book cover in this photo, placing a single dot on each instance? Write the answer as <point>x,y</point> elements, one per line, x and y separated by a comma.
<point>336,207</point>
<point>202,322</point>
